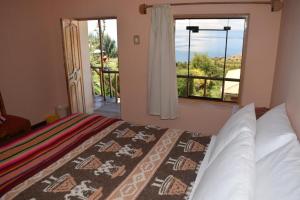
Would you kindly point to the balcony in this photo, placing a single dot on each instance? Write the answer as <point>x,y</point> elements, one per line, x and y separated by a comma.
<point>106,92</point>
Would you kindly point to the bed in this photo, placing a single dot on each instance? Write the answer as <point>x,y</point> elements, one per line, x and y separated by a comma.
<point>89,157</point>
<point>93,157</point>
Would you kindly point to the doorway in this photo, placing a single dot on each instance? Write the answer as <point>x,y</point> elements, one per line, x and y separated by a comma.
<point>91,47</point>
<point>104,63</point>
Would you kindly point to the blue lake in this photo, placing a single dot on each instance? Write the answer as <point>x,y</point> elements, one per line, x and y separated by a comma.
<point>211,43</point>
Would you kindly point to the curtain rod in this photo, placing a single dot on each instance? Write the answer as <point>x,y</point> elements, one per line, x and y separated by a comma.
<point>276,5</point>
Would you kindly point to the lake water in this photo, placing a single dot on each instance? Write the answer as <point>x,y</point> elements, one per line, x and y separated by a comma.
<point>211,43</point>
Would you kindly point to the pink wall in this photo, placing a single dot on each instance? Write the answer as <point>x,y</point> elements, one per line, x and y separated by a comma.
<point>287,77</point>
<point>32,71</point>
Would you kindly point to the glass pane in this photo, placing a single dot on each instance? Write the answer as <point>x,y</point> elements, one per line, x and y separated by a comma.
<point>181,68</point>
<point>231,91</point>
<point>181,46</point>
<point>235,45</point>
<point>214,89</point>
<point>207,53</point>
<point>182,88</point>
<point>196,87</point>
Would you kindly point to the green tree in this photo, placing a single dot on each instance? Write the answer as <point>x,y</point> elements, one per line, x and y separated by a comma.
<point>206,64</point>
<point>93,46</point>
<point>109,46</point>
<point>203,65</point>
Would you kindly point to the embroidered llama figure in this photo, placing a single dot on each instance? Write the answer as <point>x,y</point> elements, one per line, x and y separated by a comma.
<point>93,163</point>
<point>170,186</point>
<point>66,183</point>
<point>110,169</point>
<point>84,192</point>
<point>182,163</point>
<point>128,151</point>
<point>143,137</point>
<point>191,146</point>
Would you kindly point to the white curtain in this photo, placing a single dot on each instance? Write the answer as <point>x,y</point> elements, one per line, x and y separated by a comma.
<point>162,86</point>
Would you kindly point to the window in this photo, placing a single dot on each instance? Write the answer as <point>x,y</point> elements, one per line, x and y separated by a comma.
<point>209,57</point>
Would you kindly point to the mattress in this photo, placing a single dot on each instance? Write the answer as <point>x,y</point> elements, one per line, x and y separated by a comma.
<point>93,157</point>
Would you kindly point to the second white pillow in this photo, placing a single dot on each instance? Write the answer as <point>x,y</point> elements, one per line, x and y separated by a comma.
<point>274,130</point>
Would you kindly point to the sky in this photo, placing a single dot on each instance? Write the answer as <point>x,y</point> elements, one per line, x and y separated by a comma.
<point>209,42</point>
<point>110,27</point>
<point>235,24</point>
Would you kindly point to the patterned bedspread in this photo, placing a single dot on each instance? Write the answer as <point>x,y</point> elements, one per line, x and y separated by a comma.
<point>26,156</point>
<point>123,161</point>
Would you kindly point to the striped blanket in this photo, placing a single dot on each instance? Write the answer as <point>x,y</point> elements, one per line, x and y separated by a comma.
<point>124,161</point>
<point>25,156</point>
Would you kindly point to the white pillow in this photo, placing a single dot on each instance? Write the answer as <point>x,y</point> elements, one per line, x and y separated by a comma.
<point>278,174</point>
<point>243,120</point>
<point>231,175</point>
<point>273,131</point>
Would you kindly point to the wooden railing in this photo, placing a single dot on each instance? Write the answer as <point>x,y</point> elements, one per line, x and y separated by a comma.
<point>109,83</point>
<point>204,87</point>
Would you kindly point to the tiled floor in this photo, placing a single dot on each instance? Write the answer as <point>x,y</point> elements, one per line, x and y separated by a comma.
<point>107,108</point>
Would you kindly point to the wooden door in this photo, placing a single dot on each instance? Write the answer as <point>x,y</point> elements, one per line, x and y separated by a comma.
<point>73,64</point>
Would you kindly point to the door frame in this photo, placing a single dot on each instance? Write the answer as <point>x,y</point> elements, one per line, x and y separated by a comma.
<point>64,56</point>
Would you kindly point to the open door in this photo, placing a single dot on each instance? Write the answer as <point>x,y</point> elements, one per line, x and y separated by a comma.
<point>73,64</point>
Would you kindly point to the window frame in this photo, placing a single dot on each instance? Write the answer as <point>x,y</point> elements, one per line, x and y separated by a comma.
<point>246,17</point>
